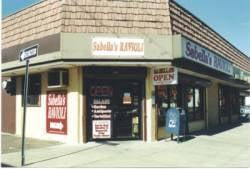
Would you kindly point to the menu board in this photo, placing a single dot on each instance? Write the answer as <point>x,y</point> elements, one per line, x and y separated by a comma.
<point>100,109</point>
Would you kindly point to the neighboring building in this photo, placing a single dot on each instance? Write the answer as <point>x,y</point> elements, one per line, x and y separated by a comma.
<point>100,67</point>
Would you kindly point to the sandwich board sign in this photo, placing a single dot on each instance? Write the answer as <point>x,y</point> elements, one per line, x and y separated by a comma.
<point>29,52</point>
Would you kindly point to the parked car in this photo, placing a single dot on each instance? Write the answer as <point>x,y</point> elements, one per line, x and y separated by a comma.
<point>245,111</point>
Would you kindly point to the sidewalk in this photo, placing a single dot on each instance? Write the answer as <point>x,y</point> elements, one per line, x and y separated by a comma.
<point>230,148</point>
<point>11,143</point>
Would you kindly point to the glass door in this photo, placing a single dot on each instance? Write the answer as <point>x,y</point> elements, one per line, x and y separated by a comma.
<point>127,110</point>
<point>114,109</point>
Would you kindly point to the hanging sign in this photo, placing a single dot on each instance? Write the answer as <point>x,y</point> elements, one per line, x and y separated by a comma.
<point>56,114</point>
<point>117,47</point>
<point>28,53</point>
<point>165,76</point>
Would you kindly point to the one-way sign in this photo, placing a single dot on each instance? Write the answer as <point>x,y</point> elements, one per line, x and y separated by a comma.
<point>29,52</point>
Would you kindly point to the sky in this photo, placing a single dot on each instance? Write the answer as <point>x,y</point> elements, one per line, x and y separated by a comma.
<point>230,18</point>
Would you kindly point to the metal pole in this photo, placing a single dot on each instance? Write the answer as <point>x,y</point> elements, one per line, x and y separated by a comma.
<point>26,84</point>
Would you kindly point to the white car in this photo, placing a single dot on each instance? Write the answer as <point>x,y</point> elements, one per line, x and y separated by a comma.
<point>245,111</point>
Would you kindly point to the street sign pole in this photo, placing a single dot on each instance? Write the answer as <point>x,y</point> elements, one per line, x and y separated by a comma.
<point>26,54</point>
<point>26,84</point>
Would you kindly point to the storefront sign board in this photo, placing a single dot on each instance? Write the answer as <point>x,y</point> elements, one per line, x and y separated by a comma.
<point>199,54</point>
<point>101,129</point>
<point>117,47</point>
<point>56,114</point>
<point>165,76</point>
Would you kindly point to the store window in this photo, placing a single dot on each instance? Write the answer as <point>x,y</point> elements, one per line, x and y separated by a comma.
<point>222,101</point>
<point>194,96</point>
<point>235,101</point>
<point>34,90</point>
<point>242,100</point>
<point>166,97</point>
<point>229,100</point>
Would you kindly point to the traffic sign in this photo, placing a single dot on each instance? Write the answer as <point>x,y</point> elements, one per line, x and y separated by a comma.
<point>28,53</point>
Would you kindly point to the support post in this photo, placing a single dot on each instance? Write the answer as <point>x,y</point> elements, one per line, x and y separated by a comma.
<point>26,84</point>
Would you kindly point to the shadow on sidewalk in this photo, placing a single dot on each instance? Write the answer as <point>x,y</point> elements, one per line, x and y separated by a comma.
<point>6,165</point>
<point>51,158</point>
<point>85,149</point>
<point>220,129</point>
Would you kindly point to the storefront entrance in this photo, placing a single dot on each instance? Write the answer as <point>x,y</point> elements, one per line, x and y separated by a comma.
<point>114,108</point>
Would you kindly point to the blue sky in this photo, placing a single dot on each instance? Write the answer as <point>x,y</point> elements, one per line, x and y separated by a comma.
<point>230,18</point>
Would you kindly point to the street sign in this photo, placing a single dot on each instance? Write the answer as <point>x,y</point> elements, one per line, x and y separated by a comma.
<point>56,114</point>
<point>28,53</point>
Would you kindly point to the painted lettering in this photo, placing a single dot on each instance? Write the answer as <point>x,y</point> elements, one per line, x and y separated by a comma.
<point>56,100</point>
<point>201,55</point>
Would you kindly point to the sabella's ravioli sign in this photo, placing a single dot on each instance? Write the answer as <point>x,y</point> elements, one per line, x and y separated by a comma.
<point>56,114</point>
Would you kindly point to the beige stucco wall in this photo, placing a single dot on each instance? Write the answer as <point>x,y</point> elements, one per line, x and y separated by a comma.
<point>150,108</point>
<point>36,116</point>
<point>212,105</point>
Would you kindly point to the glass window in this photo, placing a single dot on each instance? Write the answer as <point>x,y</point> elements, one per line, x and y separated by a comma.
<point>53,78</point>
<point>224,100</point>
<point>190,103</point>
<point>235,101</point>
<point>173,96</point>
<point>34,90</point>
<point>198,104</point>
<point>242,100</point>
<point>195,108</point>
<point>166,97</point>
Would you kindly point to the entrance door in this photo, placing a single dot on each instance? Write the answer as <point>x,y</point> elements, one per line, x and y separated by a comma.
<point>114,109</point>
<point>127,109</point>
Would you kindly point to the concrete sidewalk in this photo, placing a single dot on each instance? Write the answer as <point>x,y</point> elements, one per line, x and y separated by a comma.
<point>229,148</point>
<point>11,143</point>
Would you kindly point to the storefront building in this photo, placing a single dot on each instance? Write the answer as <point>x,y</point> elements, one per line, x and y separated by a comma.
<point>110,70</point>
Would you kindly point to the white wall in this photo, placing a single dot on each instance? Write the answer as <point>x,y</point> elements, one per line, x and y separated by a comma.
<point>36,116</point>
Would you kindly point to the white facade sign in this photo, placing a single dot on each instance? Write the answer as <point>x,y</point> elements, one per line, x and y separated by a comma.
<point>117,47</point>
<point>196,53</point>
<point>165,76</point>
<point>101,129</point>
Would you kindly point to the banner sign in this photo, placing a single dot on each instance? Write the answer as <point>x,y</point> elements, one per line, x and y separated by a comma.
<point>56,114</point>
<point>196,53</point>
<point>101,129</point>
<point>165,76</point>
<point>117,47</point>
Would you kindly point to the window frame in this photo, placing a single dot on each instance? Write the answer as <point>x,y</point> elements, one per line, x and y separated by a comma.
<point>38,96</point>
<point>161,115</point>
<point>197,111</point>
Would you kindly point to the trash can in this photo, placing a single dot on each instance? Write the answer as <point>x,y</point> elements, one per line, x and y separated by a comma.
<point>176,122</point>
